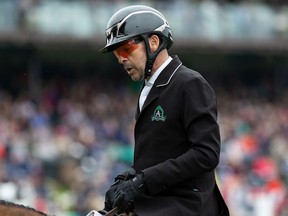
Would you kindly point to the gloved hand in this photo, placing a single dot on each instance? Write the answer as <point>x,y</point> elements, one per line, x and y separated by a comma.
<point>110,194</point>
<point>129,190</point>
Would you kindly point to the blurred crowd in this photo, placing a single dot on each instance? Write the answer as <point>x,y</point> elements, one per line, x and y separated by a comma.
<point>198,19</point>
<point>254,162</point>
<point>60,154</point>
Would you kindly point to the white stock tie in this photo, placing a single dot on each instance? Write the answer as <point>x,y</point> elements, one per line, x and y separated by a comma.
<point>144,94</point>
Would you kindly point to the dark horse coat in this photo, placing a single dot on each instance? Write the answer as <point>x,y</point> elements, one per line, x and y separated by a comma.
<point>177,146</point>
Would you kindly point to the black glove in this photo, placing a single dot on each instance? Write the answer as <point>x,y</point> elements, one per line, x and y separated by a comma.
<point>129,190</point>
<point>110,194</point>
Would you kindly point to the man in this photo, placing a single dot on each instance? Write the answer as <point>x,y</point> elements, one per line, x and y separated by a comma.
<point>177,142</point>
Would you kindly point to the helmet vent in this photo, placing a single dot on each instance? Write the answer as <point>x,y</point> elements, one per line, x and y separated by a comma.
<point>122,29</point>
<point>111,34</point>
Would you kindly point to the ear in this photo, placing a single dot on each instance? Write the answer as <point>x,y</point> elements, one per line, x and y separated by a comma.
<point>154,42</point>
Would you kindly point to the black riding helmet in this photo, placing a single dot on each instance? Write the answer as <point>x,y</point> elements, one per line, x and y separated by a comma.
<point>134,22</point>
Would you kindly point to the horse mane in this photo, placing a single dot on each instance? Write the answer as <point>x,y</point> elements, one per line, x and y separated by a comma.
<point>9,208</point>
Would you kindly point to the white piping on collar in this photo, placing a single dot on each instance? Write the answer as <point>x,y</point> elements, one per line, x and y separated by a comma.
<point>160,85</point>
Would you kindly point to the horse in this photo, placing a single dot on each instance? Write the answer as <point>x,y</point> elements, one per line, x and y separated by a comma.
<point>12,209</point>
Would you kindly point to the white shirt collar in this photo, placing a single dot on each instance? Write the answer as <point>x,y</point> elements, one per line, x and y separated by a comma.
<point>152,79</point>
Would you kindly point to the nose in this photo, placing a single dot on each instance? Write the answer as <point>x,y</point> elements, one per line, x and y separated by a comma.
<point>120,58</point>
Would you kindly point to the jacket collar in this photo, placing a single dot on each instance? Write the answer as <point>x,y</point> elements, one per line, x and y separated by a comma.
<point>168,72</point>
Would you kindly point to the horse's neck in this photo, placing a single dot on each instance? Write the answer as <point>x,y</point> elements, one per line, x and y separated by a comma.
<point>11,209</point>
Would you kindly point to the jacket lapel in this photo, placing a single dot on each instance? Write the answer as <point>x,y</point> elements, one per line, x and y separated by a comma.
<point>138,108</point>
<point>153,94</point>
<point>162,80</point>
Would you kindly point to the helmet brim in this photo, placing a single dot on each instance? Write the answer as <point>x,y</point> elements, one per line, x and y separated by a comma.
<point>117,42</point>
<point>110,47</point>
<point>106,49</point>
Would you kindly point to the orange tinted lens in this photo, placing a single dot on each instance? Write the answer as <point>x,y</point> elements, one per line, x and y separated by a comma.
<point>126,49</point>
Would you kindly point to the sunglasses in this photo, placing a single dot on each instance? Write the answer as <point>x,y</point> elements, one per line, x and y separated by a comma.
<point>127,47</point>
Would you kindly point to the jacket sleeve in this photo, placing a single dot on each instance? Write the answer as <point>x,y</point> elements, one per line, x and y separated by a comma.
<point>199,117</point>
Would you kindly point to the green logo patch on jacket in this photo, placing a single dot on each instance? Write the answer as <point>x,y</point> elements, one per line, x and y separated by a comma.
<point>158,114</point>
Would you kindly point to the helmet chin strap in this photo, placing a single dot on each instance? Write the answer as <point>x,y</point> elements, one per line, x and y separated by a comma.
<point>151,56</point>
